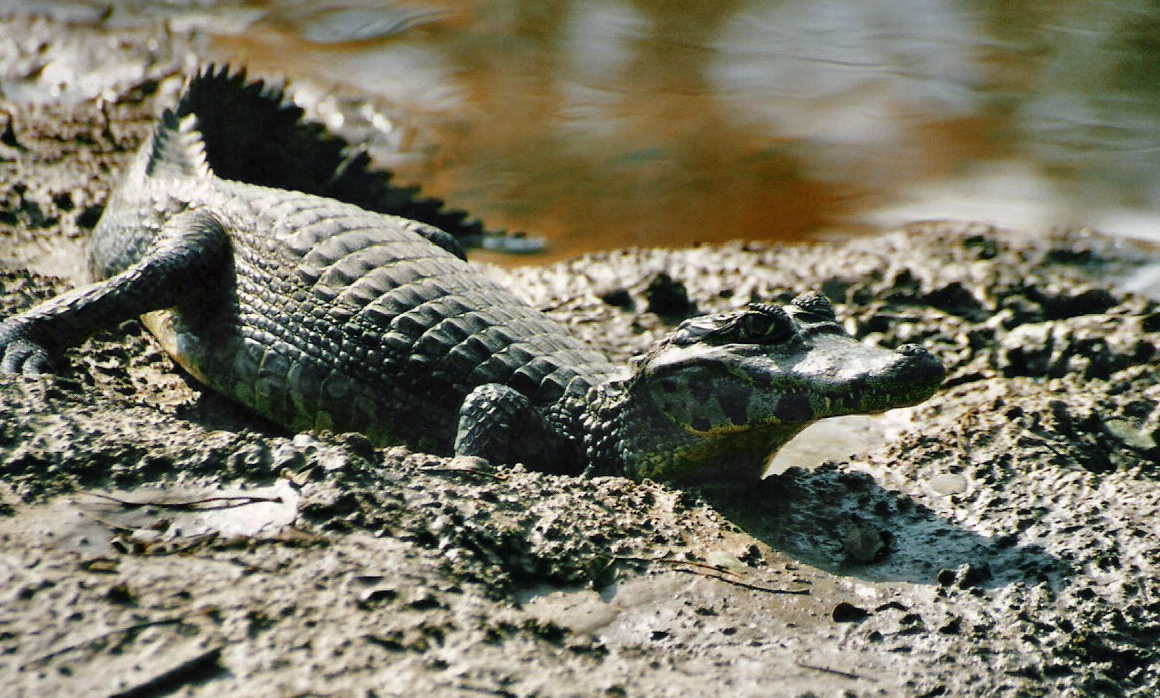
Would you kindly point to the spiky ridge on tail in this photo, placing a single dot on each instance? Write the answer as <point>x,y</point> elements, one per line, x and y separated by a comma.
<point>252,133</point>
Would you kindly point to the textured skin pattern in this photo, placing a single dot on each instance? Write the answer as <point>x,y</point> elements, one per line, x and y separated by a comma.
<point>338,318</point>
<point>314,312</point>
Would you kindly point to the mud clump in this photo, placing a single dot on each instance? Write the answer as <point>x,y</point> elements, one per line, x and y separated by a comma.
<point>1003,543</point>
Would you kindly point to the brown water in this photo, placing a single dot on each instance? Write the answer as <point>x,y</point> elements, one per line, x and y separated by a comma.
<point>602,123</point>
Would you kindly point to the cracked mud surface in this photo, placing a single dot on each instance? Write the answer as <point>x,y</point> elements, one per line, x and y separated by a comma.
<point>1002,540</point>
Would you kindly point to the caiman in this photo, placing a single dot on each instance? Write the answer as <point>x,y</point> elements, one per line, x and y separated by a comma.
<point>319,314</point>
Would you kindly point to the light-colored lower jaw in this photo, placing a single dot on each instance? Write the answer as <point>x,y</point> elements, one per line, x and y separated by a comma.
<point>740,456</point>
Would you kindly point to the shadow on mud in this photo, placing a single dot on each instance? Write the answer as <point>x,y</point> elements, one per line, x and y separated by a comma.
<point>843,522</point>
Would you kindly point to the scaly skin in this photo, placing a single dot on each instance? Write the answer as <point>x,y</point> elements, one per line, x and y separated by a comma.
<point>319,314</point>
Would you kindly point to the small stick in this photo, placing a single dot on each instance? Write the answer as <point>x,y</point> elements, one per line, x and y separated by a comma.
<point>190,543</point>
<point>105,636</point>
<point>1046,444</point>
<point>191,504</point>
<point>703,570</point>
<point>673,561</point>
<point>115,528</point>
<point>835,672</point>
<point>747,585</point>
<point>468,471</point>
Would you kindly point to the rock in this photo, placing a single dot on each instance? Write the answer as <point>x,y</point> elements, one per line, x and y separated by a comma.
<point>847,613</point>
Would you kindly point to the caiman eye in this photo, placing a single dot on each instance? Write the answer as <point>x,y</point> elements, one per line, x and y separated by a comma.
<point>765,324</point>
<point>816,303</point>
<point>756,324</point>
<point>760,323</point>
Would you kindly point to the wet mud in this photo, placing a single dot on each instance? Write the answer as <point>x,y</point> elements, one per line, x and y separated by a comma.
<point>1000,539</point>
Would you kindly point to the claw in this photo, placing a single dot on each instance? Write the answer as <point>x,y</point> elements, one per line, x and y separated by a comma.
<point>37,363</point>
<point>13,358</point>
<point>15,354</point>
<point>18,354</point>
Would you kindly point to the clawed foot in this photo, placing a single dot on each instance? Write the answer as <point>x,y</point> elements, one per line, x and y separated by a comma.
<point>19,353</point>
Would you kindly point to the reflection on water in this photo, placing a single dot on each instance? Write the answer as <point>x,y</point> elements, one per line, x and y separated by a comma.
<point>598,123</point>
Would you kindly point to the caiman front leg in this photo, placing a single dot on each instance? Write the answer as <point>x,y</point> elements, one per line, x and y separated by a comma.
<point>190,252</point>
<point>499,424</point>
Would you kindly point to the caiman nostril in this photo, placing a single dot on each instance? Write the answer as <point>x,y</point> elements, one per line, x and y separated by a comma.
<point>911,350</point>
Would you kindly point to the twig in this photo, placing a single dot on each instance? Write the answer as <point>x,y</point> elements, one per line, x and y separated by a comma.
<point>552,307</point>
<point>189,543</point>
<point>673,561</point>
<point>115,528</point>
<point>1046,444</point>
<point>173,677</point>
<point>835,672</point>
<point>105,636</point>
<point>704,570</point>
<point>468,471</point>
<point>240,500</point>
<point>747,585</point>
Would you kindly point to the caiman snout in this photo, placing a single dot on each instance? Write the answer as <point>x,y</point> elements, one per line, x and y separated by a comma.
<point>908,377</point>
<point>922,366</point>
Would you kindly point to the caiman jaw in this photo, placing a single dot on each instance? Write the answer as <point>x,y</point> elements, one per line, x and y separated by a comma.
<point>842,376</point>
<point>723,393</point>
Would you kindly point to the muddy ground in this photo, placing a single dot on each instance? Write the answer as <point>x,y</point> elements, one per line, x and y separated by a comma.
<point>1000,539</point>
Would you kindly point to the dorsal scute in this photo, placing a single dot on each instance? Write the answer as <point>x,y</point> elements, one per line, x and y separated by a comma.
<point>249,131</point>
<point>178,146</point>
<point>187,134</point>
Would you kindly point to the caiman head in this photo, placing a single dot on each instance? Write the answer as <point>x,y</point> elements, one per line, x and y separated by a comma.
<point>717,397</point>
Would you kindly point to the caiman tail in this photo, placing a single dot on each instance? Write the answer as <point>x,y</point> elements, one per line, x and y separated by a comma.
<point>253,134</point>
